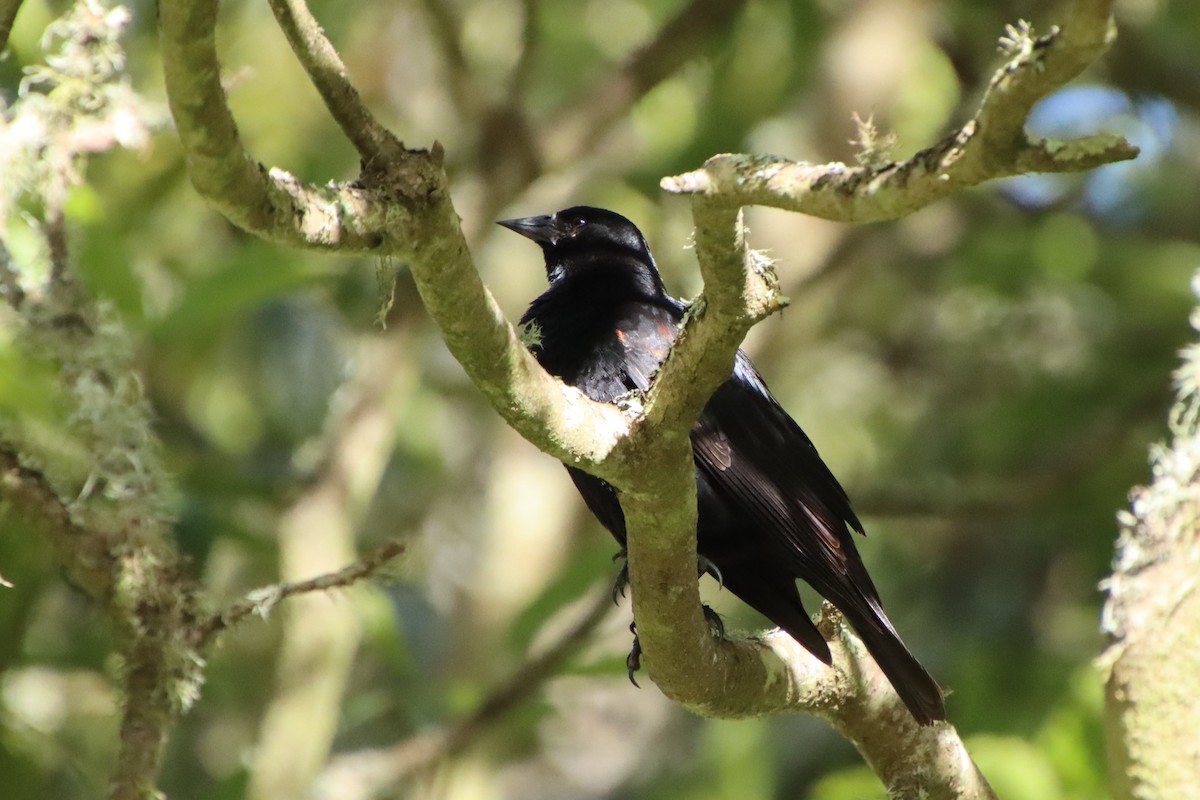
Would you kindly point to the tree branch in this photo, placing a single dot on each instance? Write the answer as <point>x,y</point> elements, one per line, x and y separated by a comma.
<point>274,205</point>
<point>993,144</point>
<point>724,679</point>
<point>686,663</point>
<point>261,601</point>
<point>328,74</point>
<point>740,290</point>
<point>87,558</point>
<point>113,535</point>
<point>1152,614</point>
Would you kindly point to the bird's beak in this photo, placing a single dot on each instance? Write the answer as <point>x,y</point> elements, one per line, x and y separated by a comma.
<point>540,229</point>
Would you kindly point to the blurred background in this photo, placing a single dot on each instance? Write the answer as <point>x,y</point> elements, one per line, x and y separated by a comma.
<point>985,377</point>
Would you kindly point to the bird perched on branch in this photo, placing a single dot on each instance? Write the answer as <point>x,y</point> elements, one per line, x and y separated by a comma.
<point>769,510</point>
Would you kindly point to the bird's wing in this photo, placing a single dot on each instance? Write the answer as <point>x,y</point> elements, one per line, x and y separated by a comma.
<point>763,463</point>
<point>645,333</point>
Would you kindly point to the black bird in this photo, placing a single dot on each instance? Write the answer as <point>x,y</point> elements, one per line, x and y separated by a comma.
<point>770,511</point>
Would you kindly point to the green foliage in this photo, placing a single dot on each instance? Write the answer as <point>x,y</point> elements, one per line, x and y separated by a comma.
<point>592,564</point>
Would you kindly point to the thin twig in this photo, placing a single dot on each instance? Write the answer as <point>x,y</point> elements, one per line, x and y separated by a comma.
<point>523,683</point>
<point>262,600</point>
<point>370,772</point>
<point>318,639</point>
<point>576,130</point>
<point>8,15</point>
<point>328,74</point>
<point>86,555</point>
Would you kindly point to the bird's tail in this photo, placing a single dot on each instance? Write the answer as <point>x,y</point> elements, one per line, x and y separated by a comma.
<point>916,687</point>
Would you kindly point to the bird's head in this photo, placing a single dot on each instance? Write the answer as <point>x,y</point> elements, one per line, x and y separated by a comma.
<point>580,236</point>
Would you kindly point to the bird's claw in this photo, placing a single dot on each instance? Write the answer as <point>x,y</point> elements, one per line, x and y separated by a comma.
<point>633,661</point>
<point>705,565</point>
<point>622,581</point>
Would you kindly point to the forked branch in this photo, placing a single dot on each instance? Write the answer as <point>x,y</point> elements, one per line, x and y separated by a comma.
<point>992,144</point>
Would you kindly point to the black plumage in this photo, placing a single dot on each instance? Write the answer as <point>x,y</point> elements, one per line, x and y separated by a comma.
<point>769,510</point>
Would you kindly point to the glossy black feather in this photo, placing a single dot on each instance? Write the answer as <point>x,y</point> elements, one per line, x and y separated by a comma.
<point>770,511</point>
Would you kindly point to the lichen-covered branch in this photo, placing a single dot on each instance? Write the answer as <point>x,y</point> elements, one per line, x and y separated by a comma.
<point>687,664</point>
<point>928,762</point>
<point>271,203</point>
<point>1152,615</point>
<point>261,601</point>
<point>732,678</point>
<point>101,493</point>
<point>993,144</point>
<point>740,289</point>
<point>88,560</point>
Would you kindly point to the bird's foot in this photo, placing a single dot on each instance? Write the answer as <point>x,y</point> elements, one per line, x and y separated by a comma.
<point>633,661</point>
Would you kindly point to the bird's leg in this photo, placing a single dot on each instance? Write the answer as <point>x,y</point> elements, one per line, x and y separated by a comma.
<point>633,661</point>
